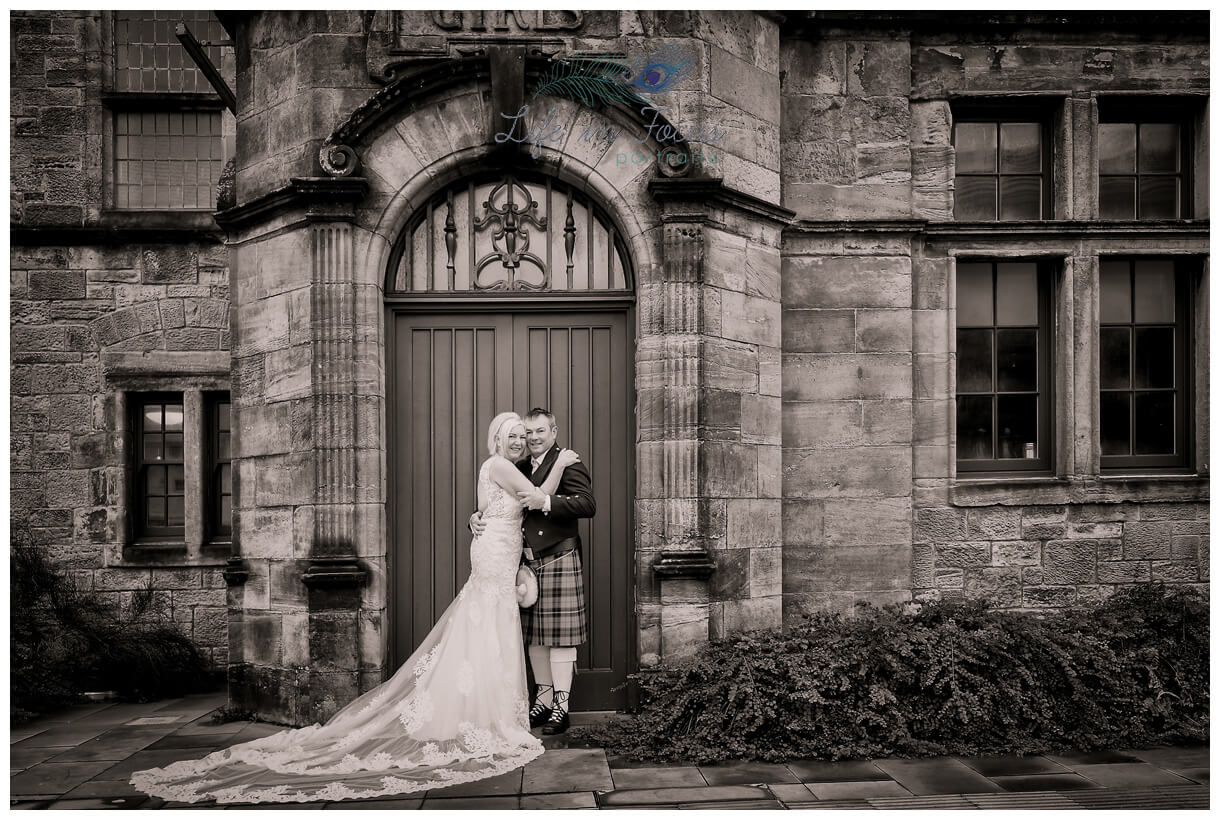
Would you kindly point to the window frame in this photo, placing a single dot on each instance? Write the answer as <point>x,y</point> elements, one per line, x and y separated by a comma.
<point>1184,373</point>
<point>115,101</point>
<point>1117,111</point>
<point>1044,463</point>
<point>214,530</point>
<point>1000,113</point>
<point>141,531</point>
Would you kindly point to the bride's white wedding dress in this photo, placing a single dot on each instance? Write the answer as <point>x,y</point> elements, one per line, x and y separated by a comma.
<point>454,712</point>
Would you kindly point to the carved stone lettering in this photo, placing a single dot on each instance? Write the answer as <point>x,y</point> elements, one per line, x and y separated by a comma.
<point>504,20</point>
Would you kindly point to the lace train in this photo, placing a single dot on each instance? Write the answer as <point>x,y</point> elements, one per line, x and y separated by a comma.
<point>437,722</point>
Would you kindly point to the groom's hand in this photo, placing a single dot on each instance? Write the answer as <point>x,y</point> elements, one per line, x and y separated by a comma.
<point>533,499</point>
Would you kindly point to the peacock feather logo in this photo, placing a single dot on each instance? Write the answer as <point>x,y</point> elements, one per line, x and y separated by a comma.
<point>590,79</point>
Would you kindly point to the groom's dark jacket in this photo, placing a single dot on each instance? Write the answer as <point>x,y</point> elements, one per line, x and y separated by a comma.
<point>573,499</point>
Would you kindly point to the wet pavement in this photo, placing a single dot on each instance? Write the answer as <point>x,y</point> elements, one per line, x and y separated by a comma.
<point>83,756</point>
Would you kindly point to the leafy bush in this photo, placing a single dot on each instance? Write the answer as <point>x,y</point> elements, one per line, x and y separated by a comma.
<point>934,679</point>
<point>64,641</point>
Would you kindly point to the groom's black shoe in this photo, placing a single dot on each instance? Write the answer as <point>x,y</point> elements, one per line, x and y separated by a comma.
<point>557,723</point>
<point>539,715</point>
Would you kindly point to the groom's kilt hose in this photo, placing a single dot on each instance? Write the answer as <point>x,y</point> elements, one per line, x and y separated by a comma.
<point>558,617</point>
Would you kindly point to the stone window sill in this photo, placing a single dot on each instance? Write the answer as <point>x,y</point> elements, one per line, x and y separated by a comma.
<point>1104,489</point>
<point>165,553</point>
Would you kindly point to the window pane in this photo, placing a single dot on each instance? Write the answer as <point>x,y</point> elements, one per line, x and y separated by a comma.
<point>1115,355</point>
<point>1017,425</point>
<point>1154,291</point>
<point>1159,148</point>
<point>176,515</point>
<point>1115,291</point>
<point>226,480</point>
<point>177,479</point>
<point>975,144</point>
<point>1117,197</point>
<point>173,447</point>
<point>973,427</point>
<point>222,416</point>
<point>973,294</point>
<point>152,448</point>
<point>1154,424</point>
<point>1020,198</point>
<point>222,446</point>
<point>226,512</point>
<point>1115,424</point>
<point>974,198</point>
<point>974,361</point>
<point>155,481</point>
<point>1116,148</point>
<point>1154,357</point>
<point>173,417</point>
<point>1017,360</point>
<point>1021,148</point>
<point>1016,300</point>
<point>1159,198</point>
<point>152,417</point>
<point>154,512</point>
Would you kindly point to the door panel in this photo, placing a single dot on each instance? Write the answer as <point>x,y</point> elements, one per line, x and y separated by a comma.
<point>453,373</point>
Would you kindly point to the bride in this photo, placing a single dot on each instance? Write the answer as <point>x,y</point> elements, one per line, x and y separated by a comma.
<point>454,712</point>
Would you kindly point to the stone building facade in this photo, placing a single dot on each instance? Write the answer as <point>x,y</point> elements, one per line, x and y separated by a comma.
<point>766,340</point>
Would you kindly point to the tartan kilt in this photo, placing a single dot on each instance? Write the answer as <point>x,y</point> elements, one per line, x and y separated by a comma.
<point>558,616</point>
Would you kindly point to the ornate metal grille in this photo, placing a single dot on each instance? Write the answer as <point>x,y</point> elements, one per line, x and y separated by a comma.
<point>510,235</point>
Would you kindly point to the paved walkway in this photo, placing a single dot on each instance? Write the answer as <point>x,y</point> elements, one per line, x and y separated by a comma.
<point>81,758</point>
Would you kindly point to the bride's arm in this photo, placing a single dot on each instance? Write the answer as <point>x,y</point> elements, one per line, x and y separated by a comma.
<point>506,474</point>
<point>551,484</point>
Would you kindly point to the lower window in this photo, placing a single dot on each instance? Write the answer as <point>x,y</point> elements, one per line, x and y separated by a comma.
<point>1003,366</point>
<point>1145,363</point>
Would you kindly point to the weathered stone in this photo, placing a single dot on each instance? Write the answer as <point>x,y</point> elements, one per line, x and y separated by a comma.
<point>996,523</point>
<point>826,377</point>
<point>1016,553</point>
<point>1184,547</point>
<point>1147,540</point>
<point>949,578</point>
<point>1110,529</point>
<point>939,525</point>
<point>1038,523</point>
<point>871,521</point>
<point>1122,572</point>
<point>923,565</point>
<point>1175,571</point>
<point>841,568</point>
<point>1048,596</point>
<point>999,585</point>
<point>846,282</point>
<point>970,554</point>
<point>1070,562</point>
<point>862,472</point>
<point>1166,512</point>
<point>819,331</point>
<point>803,520</point>
<point>754,523</point>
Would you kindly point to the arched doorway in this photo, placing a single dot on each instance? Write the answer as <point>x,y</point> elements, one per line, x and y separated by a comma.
<point>509,292</point>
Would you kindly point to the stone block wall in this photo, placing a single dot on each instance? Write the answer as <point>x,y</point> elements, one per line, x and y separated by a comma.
<point>1056,555</point>
<point>90,324</point>
<point>93,317</point>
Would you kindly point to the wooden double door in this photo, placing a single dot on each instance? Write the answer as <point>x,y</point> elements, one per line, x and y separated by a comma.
<point>451,374</point>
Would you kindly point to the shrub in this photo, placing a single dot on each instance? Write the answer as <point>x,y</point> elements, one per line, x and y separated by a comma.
<point>64,641</point>
<point>934,679</point>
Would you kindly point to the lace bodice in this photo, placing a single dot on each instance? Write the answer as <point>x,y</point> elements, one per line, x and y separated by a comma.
<point>500,502</point>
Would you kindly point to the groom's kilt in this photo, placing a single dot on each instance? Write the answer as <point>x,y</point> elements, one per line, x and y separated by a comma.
<point>558,617</point>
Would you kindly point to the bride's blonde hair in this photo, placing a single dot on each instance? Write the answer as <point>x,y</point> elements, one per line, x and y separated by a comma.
<point>497,428</point>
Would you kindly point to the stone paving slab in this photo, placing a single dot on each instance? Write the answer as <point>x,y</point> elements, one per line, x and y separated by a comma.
<point>101,803</point>
<point>936,776</point>
<point>61,735</point>
<point>792,792</point>
<point>473,803</point>
<point>104,789</point>
<point>737,772</point>
<point>199,741</point>
<point>661,777</point>
<point>565,800</point>
<point>857,790</point>
<point>825,771</point>
<point>1084,758</point>
<point>149,760</point>
<point>674,796</point>
<point>114,744</point>
<point>507,783</point>
<point>1201,775</point>
<point>736,805</point>
<point>1174,757</point>
<point>54,779</point>
<point>1044,782</point>
<point>21,758</point>
<point>567,770</point>
<point>1129,775</point>
<point>1013,765</point>
<point>401,805</point>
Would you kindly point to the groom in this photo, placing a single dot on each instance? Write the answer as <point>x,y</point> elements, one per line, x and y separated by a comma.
<point>556,624</point>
